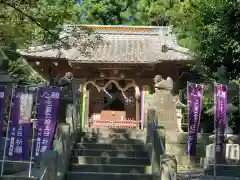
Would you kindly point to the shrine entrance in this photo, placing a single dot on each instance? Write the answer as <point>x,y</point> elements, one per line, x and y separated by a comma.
<point>112,104</point>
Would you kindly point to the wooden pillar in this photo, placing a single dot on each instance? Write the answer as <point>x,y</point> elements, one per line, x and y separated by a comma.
<point>84,105</point>
<point>51,78</point>
<point>176,80</point>
<point>87,109</point>
<point>137,112</point>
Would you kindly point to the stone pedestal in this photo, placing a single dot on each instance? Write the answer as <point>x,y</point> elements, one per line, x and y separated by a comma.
<point>231,158</point>
<point>231,154</point>
<point>177,143</point>
<point>232,151</point>
<point>166,110</point>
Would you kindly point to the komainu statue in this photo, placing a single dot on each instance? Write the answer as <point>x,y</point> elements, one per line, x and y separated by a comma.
<point>168,167</point>
<point>65,81</point>
<point>163,84</point>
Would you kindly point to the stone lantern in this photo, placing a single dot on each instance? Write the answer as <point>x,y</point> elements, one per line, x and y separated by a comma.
<point>228,132</point>
<point>231,147</point>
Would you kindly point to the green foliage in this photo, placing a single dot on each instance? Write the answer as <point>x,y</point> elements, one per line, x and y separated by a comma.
<point>210,28</point>
<point>20,71</point>
<point>126,12</point>
<point>109,12</point>
<point>28,23</point>
<point>155,12</point>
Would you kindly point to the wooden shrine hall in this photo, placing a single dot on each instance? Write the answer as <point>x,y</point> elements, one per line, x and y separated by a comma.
<point>117,72</point>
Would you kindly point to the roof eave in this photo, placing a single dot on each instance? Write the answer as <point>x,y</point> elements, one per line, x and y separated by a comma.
<point>31,58</point>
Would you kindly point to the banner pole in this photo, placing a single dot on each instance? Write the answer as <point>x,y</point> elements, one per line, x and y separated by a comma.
<point>215,132</point>
<point>33,134</point>
<point>238,99</point>
<point>188,106</point>
<point>6,138</point>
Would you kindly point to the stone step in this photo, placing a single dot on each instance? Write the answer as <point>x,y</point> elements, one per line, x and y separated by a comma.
<point>223,171</point>
<point>192,168</point>
<point>114,131</point>
<point>112,140</point>
<point>217,178</point>
<point>110,168</point>
<point>115,135</point>
<point>189,162</point>
<point>110,160</point>
<point>188,176</point>
<point>17,178</point>
<point>109,153</point>
<point>107,176</point>
<point>135,147</point>
<point>11,168</point>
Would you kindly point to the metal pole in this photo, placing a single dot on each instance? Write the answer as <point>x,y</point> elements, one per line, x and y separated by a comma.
<point>238,99</point>
<point>6,138</point>
<point>33,134</point>
<point>188,83</point>
<point>188,106</point>
<point>215,132</point>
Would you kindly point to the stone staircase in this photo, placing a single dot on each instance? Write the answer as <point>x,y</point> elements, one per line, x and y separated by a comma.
<point>116,154</point>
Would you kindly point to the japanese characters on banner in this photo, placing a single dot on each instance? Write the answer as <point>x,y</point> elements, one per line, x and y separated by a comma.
<point>46,118</point>
<point>220,94</point>
<point>195,100</point>
<point>3,92</point>
<point>19,129</point>
<point>26,107</point>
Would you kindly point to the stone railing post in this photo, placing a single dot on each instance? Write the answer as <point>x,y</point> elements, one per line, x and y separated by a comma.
<point>48,165</point>
<point>63,146</point>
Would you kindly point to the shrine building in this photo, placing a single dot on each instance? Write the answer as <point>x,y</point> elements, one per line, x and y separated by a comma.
<point>118,72</point>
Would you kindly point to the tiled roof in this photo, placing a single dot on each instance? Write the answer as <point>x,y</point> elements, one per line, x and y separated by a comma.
<point>122,44</point>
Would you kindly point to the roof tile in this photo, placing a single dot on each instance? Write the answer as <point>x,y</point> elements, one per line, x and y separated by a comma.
<point>122,45</point>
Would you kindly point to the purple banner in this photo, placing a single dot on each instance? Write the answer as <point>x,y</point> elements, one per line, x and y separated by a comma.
<point>220,94</point>
<point>46,118</point>
<point>195,98</point>
<point>3,90</point>
<point>19,133</point>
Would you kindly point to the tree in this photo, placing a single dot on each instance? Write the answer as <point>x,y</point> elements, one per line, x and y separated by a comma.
<point>109,12</point>
<point>130,12</point>
<point>210,28</point>
<point>29,23</point>
<point>154,12</point>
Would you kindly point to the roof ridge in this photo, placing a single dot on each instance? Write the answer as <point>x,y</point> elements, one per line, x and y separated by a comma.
<point>122,26</point>
<point>116,29</point>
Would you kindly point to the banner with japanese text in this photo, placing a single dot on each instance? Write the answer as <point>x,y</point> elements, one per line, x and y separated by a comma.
<point>3,95</point>
<point>47,110</point>
<point>20,125</point>
<point>220,96</point>
<point>195,100</point>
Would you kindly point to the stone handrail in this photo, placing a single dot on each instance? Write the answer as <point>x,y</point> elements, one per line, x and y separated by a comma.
<point>56,167</point>
<point>66,133</point>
